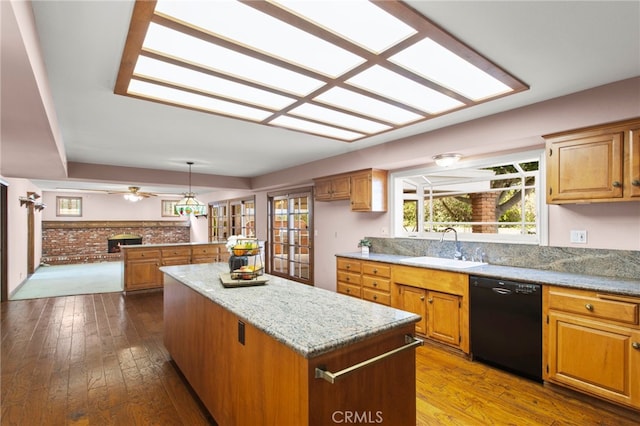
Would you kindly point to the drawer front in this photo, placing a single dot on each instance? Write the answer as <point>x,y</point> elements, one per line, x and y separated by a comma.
<point>348,289</point>
<point>349,265</point>
<point>143,254</point>
<point>377,269</point>
<point>205,250</point>
<point>595,307</point>
<point>376,296</point>
<point>176,252</point>
<point>349,278</point>
<point>381,284</point>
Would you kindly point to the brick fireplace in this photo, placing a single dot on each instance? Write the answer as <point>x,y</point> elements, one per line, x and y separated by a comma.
<point>68,242</point>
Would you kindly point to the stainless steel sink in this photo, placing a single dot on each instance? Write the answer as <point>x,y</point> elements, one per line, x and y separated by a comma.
<point>441,261</point>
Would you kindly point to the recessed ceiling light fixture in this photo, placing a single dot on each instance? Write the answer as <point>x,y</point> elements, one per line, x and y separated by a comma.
<point>308,66</point>
<point>445,160</point>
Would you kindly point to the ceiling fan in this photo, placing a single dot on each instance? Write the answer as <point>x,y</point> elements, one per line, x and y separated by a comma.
<point>133,194</point>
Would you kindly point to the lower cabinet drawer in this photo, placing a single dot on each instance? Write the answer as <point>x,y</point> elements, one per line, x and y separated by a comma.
<point>376,296</point>
<point>348,289</point>
<point>348,277</point>
<point>594,307</point>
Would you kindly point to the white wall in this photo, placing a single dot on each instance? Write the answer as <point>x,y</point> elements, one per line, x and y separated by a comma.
<point>17,231</point>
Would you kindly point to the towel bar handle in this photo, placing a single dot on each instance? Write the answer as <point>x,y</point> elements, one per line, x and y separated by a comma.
<point>411,342</point>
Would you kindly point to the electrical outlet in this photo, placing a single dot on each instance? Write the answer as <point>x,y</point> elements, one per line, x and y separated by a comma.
<point>578,237</point>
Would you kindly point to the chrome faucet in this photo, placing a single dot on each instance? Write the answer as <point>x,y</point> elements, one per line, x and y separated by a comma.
<point>458,252</point>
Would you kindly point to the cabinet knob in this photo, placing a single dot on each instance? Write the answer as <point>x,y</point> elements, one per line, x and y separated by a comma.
<point>375,284</point>
<point>430,300</point>
<point>375,297</point>
<point>375,271</point>
<point>635,182</point>
<point>348,290</point>
<point>421,297</point>
<point>589,307</point>
<point>635,345</point>
<point>616,184</point>
<point>347,278</point>
<point>348,266</point>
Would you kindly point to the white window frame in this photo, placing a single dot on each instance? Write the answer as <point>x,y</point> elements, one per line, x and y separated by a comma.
<point>397,200</point>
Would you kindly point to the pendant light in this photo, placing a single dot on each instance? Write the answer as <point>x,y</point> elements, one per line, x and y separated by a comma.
<point>189,204</point>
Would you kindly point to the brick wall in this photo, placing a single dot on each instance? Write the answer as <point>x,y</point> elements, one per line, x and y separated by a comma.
<point>87,242</point>
<point>483,206</point>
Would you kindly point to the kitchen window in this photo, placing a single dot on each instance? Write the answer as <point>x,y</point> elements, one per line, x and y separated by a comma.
<point>69,206</point>
<point>290,251</point>
<point>497,200</point>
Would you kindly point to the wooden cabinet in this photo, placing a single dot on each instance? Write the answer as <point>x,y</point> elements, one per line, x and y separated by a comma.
<point>440,297</point>
<point>366,189</point>
<point>141,270</point>
<point>333,188</point>
<point>593,343</point>
<point>376,283</point>
<point>349,280</point>
<point>142,263</point>
<point>412,299</point>
<point>594,164</point>
<point>364,280</point>
<point>208,253</point>
<point>369,191</point>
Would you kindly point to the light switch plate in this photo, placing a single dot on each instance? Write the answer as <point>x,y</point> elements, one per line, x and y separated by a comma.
<point>578,236</point>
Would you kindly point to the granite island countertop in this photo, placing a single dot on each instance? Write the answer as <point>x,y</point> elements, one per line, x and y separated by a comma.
<point>310,320</point>
<point>621,286</point>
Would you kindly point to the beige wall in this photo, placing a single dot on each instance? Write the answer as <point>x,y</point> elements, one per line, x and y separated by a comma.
<point>17,232</point>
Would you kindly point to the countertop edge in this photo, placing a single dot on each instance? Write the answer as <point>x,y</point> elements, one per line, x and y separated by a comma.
<point>621,286</point>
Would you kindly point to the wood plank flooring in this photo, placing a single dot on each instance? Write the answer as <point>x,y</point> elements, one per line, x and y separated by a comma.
<point>99,360</point>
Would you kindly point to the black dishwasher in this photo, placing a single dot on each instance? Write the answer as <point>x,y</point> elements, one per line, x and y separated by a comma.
<point>505,321</point>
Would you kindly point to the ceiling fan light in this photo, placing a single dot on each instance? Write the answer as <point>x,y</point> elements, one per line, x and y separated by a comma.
<point>132,197</point>
<point>445,160</point>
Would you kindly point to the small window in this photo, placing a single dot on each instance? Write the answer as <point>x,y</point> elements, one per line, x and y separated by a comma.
<point>490,200</point>
<point>68,206</point>
<point>169,208</point>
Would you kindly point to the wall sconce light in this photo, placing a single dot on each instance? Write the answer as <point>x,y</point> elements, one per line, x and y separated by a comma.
<point>445,160</point>
<point>30,199</point>
<point>39,206</point>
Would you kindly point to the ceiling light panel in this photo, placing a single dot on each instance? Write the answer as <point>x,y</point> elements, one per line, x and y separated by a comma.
<point>432,61</point>
<point>192,100</point>
<point>344,69</point>
<point>359,21</point>
<point>200,81</point>
<point>394,86</point>
<point>350,100</point>
<point>197,51</point>
<point>315,128</point>
<point>337,118</point>
<point>241,23</point>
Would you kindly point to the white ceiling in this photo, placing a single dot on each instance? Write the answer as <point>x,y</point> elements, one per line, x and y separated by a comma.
<point>556,48</point>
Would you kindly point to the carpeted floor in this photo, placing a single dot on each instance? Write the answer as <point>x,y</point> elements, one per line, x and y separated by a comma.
<point>66,280</point>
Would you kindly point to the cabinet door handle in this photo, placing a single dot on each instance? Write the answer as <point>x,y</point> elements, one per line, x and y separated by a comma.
<point>422,298</point>
<point>348,266</point>
<point>635,345</point>
<point>375,284</point>
<point>635,182</point>
<point>616,184</point>
<point>430,300</point>
<point>347,278</point>
<point>375,271</point>
<point>375,297</point>
<point>589,307</point>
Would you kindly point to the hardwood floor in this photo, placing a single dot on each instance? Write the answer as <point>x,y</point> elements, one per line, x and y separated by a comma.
<point>99,360</point>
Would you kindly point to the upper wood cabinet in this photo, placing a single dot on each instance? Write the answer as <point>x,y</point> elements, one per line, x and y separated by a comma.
<point>367,189</point>
<point>333,188</point>
<point>594,164</point>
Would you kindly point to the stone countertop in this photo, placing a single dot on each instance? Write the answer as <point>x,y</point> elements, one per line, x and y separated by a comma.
<point>310,320</point>
<point>579,281</point>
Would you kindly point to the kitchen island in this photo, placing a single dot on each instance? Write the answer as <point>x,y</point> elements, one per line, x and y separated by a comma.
<point>281,353</point>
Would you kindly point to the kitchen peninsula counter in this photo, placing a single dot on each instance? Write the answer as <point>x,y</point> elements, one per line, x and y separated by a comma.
<point>252,353</point>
